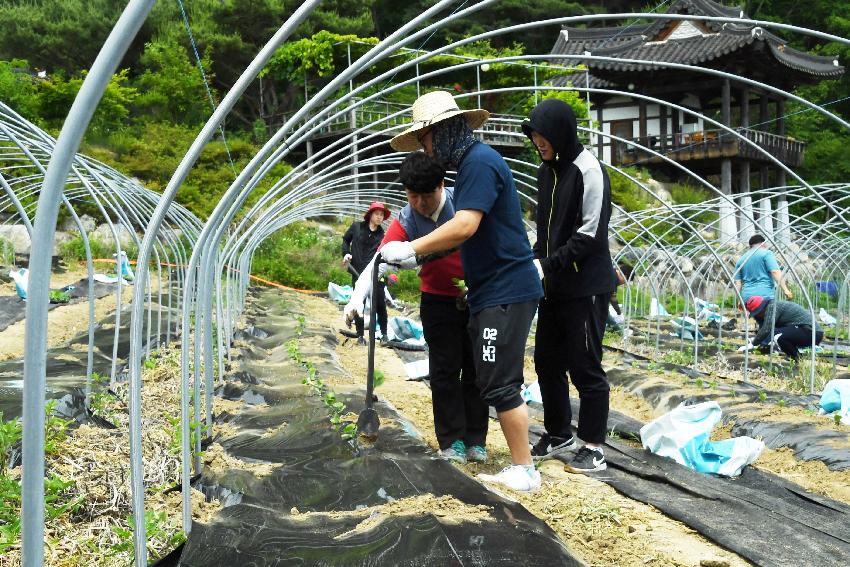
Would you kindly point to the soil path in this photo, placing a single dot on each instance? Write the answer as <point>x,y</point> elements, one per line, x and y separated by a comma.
<point>598,524</point>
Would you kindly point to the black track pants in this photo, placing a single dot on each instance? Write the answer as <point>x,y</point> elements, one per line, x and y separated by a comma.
<point>459,412</point>
<point>569,339</point>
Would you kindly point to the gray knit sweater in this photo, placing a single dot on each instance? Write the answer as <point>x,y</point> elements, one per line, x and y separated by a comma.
<point>787,315</point>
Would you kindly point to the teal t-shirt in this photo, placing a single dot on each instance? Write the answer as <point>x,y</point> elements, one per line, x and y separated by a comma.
<point>753,269</point>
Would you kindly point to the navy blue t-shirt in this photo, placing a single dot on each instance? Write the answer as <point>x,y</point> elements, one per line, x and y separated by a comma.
<point>497,259</point>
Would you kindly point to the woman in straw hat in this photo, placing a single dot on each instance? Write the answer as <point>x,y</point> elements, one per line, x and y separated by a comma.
<point>497,261</point>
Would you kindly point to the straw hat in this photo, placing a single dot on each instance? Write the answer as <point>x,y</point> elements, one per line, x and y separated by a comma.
<point>429,109</point>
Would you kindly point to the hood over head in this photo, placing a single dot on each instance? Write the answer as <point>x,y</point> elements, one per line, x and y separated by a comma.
<point>555,120</point>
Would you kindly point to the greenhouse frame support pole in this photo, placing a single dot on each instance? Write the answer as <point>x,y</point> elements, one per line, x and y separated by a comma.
<point>32,505</point>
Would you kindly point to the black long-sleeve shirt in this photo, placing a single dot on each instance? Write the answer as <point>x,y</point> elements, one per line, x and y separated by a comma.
<point>361,243</point>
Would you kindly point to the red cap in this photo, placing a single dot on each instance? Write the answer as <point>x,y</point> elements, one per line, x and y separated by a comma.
<point>375,207</point>
<point>756,304</point>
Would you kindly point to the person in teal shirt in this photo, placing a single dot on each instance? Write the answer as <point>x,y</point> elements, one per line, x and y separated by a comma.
<point>757,272</point>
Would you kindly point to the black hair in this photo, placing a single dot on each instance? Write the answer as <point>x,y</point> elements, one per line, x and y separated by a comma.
<point>756,239</point>
<point>420,173</point>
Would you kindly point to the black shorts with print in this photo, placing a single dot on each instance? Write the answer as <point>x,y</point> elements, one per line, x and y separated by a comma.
<point>499,335</point>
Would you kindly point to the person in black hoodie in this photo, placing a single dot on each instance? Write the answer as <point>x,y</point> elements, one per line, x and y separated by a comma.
<point>574,262</point>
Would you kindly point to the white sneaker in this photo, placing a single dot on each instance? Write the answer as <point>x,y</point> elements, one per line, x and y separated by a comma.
<point>517,477</point>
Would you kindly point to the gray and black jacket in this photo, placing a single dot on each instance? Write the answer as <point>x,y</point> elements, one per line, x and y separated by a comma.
<point>788,314</point>
<point>573,211</point>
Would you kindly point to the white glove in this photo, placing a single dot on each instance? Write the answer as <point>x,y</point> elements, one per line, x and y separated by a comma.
<point>746,347</point>
<point>399,253</point>
<point>346,259</point>
<point>362,289</point>
<point>539,268</point>
<point>353,308</point>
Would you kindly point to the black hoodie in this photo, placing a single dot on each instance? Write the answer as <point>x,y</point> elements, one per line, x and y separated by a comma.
<point>573,210</point>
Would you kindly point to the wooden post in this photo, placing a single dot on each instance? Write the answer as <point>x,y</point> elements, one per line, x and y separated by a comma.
<point>726,103</point>
<point>728,230</point>
<point>601,140</point>
<point>675,127</point>
<point>662,117</point>
<point>642,119</point>
<point>763,113</point>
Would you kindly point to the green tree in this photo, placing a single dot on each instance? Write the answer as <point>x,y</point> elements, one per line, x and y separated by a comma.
<point>171,87</point>
<point>57,95</point>
<point>18,88</point>
<point>57,34</point>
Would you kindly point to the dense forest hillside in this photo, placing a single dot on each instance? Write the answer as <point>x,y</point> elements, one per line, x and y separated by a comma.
<point>159,98</point>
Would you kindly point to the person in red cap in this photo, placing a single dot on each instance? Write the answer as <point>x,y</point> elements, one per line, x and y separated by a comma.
<point>359,244</point>
<point>791,331</point>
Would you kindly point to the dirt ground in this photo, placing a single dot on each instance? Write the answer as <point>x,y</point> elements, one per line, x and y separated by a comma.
<point>63,322</point>
<point>598,524</point>
<point>601,526</point>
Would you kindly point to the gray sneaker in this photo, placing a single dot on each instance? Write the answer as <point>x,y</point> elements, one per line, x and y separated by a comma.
<point>455,452</point>
<point>476,454</point>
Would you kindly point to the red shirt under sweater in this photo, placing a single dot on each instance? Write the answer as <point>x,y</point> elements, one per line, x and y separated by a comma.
<point>435,276</point>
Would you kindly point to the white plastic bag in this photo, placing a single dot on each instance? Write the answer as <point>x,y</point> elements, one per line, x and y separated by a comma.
<point>683,435</point>
<point>21,278</point>
<point>826,318</point>
<point>656,309</point>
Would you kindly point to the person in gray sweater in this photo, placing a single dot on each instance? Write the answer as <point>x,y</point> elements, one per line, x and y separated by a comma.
<point>792,330</point>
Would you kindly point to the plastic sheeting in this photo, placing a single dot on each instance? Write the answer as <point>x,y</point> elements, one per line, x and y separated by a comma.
<point>761,517</point>
<point>287,516</point>
<point>740,403</point>
<point>836,398</point>
<point>684,436</point>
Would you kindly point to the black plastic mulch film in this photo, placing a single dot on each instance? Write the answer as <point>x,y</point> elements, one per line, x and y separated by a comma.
<point>318,472</point>
<point>14,309</point>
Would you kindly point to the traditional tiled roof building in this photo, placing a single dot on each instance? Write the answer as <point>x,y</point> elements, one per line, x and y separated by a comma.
<point>654,59</point>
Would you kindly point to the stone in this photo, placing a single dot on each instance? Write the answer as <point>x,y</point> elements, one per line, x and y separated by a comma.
<point>104,234</point>
<point>19,237</point>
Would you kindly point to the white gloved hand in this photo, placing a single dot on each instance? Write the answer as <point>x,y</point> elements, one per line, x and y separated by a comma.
<point>353,308</point>
<point>399,253</point>
<point>346,259</point>
<point>539,268</point>
<point>744,348</point>
<point>362,289</point>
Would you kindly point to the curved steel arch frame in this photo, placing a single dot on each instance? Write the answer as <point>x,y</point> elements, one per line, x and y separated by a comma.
<point>212,281</point>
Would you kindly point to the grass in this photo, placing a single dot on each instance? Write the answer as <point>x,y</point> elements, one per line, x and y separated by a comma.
<point>305,256</point>
<point>74,250</point>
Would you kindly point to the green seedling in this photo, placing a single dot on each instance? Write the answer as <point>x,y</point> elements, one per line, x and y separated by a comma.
<point>176,443</point>
<point>59,296</point>
<point>836,417</point>
<point>698,382</point>
<point>349,431</point>
<point>762,395</point>
<point>149,363</point>
<point>781,403</point>
<point>734,392</point>
<point>713,385</point>
<point>156,528</point>
<point>378,378</point>
<point>10,434</point>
